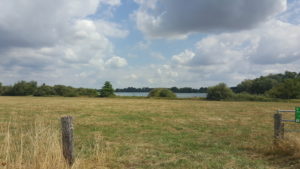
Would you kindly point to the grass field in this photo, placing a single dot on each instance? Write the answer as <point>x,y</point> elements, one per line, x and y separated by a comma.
<point>143,134</point>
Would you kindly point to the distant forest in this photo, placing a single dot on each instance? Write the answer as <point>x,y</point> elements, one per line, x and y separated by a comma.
<point>264,88</point>
<point>173,89</point>
<point>23,88</point>
<point>283,85</point>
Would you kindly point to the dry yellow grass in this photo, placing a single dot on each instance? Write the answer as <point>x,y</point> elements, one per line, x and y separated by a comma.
<point>141,133</point>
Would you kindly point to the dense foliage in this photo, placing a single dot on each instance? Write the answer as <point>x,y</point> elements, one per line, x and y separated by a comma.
<point>44,90</point>
<point>289,89</point>
<point>264,88</point>
<point>133,89</point>
<point>23,88</point>
<point>219,92</point>
<point>107,90</point>
<point>173,89</point>
<point>161,92</point>
<point>1,88</point>
<point>265,83</point>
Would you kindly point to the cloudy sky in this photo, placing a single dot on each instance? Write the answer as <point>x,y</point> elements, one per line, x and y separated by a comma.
<point>155,43</point>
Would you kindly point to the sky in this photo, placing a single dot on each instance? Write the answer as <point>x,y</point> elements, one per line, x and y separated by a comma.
<point>147,43</point>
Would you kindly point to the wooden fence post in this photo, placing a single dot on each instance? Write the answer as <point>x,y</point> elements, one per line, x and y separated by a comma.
<point>67,139</point>
<point>278,128</point>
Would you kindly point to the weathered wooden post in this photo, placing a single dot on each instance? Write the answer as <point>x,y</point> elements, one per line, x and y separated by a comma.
<point>278,127</point>
<point>67,139</point>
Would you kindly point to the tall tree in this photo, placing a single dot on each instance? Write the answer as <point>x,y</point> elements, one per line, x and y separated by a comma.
<point>23,88</point>
<point>107,90</point>
<point>1,89</point>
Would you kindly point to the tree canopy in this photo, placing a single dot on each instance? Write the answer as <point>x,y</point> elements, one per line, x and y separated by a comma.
<point>107,90</point>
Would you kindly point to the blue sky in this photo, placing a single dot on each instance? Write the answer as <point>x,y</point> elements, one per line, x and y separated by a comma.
<point>154,43</point>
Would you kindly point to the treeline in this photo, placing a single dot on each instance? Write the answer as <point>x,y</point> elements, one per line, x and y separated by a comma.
<point>173,89</point>
<point>284,86</point>
<point>23,88</point>
<point>279,86</point>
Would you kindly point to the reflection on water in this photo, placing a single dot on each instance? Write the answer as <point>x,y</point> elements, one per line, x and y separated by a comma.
<point>179,95</point>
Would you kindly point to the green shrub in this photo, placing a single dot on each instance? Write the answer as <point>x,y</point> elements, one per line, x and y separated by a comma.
<point>66,91</point>
<point>161,92</point>
<point>249,97</point>
<point>87,92</point>
<point>219,92</point>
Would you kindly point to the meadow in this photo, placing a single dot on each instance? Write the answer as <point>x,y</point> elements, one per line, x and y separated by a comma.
<point>142,133</point>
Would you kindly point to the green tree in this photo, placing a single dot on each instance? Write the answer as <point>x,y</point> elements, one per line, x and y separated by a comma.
<point>262,84</point>
<point>44,90</point>
<point>289,89</point>
<point>219,92</point>
<point>161,92</point>
<point>107,90</point>
<point>244,86</point>
<point>1,89</point>
<point>23,88</point>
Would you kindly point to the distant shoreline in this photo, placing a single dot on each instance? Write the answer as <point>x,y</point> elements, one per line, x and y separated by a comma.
<point>179,95</point>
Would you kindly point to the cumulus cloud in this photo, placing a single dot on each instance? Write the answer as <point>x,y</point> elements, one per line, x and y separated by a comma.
<point>270,48</point>
<point>183,57</point>
<point>116,62</point>
<point>278,44</point>
<point>51,40</point>
<point>177,18</point>
<point>34,23</point>
<point>293,14</point>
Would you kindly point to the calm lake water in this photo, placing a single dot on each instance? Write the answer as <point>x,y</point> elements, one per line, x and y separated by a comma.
<point>179,95</point>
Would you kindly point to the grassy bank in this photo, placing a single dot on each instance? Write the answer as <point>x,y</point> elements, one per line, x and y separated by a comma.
<point>142,133</point>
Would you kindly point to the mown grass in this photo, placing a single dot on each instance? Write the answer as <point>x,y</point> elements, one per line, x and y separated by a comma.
<point>143,133</point>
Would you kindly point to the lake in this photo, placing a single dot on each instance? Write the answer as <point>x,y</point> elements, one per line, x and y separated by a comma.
<point>144,94</point>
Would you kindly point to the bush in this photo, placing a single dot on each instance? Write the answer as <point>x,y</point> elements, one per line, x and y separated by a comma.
<point>219,92</point>
<point>249,97</point>
<point>87,92</point>
<point>66,91</point>
<point>161,92</point>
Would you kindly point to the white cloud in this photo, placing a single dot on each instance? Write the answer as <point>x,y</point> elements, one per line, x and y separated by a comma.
<point>177,18</point>
<point>111,29</point>
<point>184,57</point>
<point>292,15</point>
<point>111,2</point>
<point>116,62</point>
<point>34,23</point>
<point>232,57</point>
<point>59,44</point>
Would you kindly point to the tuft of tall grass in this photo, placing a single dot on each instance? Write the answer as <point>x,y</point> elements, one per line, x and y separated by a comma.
<point>288,147</point>
<point>38,146</point>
